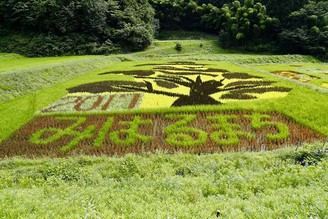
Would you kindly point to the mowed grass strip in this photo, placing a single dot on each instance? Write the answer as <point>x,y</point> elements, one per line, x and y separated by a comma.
<point>13,62</point>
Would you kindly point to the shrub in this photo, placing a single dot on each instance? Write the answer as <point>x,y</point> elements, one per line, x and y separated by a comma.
<point>307,155</point>
<point>178,47</point>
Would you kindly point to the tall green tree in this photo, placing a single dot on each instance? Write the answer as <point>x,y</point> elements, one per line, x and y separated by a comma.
<point>177,14</point>
<point>282,8</point>
<point>307,30</point>
<point>244,23</point>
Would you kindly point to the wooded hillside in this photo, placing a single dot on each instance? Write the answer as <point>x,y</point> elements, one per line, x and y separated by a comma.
<point>58,27</point>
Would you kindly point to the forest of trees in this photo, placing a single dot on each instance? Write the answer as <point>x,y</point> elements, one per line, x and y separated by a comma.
<point>289,26</point>
<point>57,27</point>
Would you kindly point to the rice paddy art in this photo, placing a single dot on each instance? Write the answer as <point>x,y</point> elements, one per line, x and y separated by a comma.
<point>296,76</point>
<point>94,103</point>
<point>186,83</point>
<point>201,132</point>
<point>100,118</point>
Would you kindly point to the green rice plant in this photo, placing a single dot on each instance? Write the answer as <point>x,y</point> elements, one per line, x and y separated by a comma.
<point>257,123</point>
<point>130,135</point>
<point>103,132</point>
<point>135,133</point>
<point>57,133</point>
<point>181,133</point>
<point>283,132</point>
<point>20,111</point>
<point>226,132</point>
<point>172,80</point>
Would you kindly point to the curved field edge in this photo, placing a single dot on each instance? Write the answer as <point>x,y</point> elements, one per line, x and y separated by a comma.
<point>239,185</point>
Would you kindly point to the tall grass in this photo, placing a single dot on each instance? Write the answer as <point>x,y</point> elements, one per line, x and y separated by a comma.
<point>239,185</point>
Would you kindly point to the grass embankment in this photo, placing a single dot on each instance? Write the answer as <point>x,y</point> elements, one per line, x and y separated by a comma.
<point>33,74</point>
<point>240,185</point>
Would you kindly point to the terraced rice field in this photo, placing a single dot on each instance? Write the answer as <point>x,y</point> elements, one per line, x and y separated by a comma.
<point>58,136</point>
<point>190,106</point>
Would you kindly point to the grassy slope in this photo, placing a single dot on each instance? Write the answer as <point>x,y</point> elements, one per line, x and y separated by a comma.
<point>13,62</point>
<point>241,185</point>
<point>17,83</point>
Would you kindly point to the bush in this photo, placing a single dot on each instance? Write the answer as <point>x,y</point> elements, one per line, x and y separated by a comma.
<point>307,155</point>
<point>178,47</point>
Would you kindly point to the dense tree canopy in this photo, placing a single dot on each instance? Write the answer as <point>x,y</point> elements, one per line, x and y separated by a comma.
<point>282,8</point>
<point>242,23</point>
<point>57,27</point>
<point>100,25</point>
<point>298,26</point>
<point>307,30</point>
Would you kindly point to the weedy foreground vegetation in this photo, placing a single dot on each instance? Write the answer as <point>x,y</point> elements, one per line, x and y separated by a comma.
<point>200,100</point>
<point>280,184</point>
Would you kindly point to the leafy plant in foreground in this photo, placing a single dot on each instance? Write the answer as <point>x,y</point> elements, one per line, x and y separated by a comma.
<point>308,155</point>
